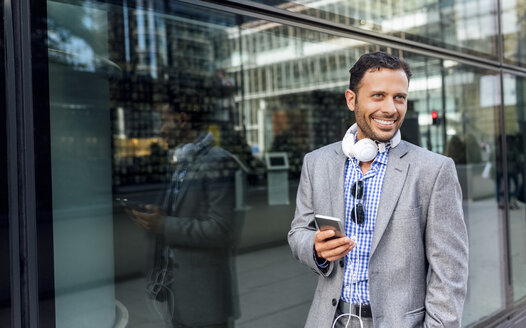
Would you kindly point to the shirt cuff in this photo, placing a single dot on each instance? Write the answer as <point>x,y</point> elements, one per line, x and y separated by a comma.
<point>322,263</point>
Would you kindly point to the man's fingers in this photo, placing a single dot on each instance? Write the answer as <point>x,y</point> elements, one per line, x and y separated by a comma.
<point>345,251</point>
<point>333,243</point>
<point>142,222</point>
<point>151,221</point>
<point>152,208</point>
<point>336,253</point>
<point>143,219</point>
<point>333,248</point>
<point>323,235</point>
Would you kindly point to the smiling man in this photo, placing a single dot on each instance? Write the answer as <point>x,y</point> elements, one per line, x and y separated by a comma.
<point>403,259</point>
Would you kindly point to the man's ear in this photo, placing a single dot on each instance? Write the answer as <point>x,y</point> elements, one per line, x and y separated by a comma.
<point>350,97</point>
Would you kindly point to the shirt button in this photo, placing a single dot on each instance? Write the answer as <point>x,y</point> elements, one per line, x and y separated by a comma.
<point>334,302</point>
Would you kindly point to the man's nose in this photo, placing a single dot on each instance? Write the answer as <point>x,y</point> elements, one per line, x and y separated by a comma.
<point>389,107</point>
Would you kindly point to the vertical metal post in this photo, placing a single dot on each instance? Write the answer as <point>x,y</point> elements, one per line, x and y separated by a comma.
<point>505,235</point>
<point>21,163</point>
<point>443,114</point>
<point>12,166</point>
<point>504,199</point>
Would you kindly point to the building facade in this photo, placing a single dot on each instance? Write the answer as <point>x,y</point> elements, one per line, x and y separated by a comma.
<point>93,92</point>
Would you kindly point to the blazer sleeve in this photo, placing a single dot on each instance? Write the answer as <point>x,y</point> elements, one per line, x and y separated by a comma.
<point>446,243</point>
<point>303,228</point>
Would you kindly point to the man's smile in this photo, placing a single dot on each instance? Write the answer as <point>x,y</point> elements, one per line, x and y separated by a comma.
<point>377,120</point>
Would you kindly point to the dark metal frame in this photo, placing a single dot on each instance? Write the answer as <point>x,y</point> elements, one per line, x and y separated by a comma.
<point>29,174</point>
<point>12,169</point>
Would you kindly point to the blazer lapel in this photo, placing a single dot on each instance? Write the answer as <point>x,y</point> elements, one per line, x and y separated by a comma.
<point>191,171</point>
<point>395,175</point>
<point>336,180</point>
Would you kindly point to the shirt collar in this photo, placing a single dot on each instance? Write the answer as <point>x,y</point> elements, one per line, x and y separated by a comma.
<point>381,158</point>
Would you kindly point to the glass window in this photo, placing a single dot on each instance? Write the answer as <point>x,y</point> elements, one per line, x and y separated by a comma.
<point>176,163</point>
<point>472,101</point>
<point>514,100</point>
<point>466,101</point>
<point>513,27</point>
<point>468,26</point>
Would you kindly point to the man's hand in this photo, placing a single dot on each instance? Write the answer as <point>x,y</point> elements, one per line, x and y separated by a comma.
<point>331,249</point>
<point>152,219</point>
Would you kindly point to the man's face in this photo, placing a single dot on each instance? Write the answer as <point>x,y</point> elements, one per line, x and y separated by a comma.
<point>172,127</point>
<point>383,103</point>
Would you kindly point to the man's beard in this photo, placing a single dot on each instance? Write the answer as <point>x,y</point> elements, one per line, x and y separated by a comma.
<point>365,128</point>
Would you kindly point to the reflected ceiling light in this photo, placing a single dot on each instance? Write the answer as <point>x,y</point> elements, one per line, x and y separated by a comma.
<point>430,83</point>
<point>310,49</point>
<point>406,22</point>
<point>306,4</point>
<point>276,56</point>
<point>450,63</point>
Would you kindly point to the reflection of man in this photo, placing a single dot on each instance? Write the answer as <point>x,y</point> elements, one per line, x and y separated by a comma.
<point>194,224</point>
<point>403,261</point>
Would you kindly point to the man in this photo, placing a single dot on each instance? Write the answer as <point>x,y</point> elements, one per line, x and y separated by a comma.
<point>403,261</point>
<point>192,283</point>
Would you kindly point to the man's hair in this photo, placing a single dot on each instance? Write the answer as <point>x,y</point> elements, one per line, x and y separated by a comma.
<point>375,61</point>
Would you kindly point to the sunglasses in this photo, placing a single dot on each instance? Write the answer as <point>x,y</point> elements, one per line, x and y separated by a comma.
<point>358,211</point>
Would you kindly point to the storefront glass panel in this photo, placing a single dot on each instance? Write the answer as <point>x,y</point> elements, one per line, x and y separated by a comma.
<point>467,26</point>
<point>513,31</point>
<point>472,99</point>
<point>207,116</point>
<point>466,101</point>
<point>514,101</point>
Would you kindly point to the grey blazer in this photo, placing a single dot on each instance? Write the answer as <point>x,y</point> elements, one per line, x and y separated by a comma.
<point>199,229</point>
<point>418,266</point>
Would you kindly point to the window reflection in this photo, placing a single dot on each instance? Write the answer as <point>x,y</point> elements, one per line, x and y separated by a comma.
<point>515,91</point>
<point>466,26</point>
<point>513,27</point>
<point>261,94</point>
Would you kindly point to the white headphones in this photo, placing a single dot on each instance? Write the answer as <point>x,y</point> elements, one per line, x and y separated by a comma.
<point>365,150</point>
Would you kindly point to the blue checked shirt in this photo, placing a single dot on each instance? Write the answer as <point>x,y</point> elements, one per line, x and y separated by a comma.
<point>355,282</point>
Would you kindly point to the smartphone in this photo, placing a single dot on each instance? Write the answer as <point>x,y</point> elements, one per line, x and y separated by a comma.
<point>126,203</point>
<point>325,222</point>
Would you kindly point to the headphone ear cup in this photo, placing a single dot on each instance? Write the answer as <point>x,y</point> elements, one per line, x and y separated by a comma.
<point>365,150</point>
<point>347,144</point>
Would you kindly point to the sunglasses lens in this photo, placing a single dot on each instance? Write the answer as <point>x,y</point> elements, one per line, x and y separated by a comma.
<point>357,189</point>
<point>358,214</point>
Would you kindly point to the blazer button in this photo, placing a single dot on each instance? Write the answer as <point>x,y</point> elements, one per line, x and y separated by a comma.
<point>342,263</point>
<point>334,302</point>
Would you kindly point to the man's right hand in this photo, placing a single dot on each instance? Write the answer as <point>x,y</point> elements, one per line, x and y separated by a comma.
<point>331,249</point>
